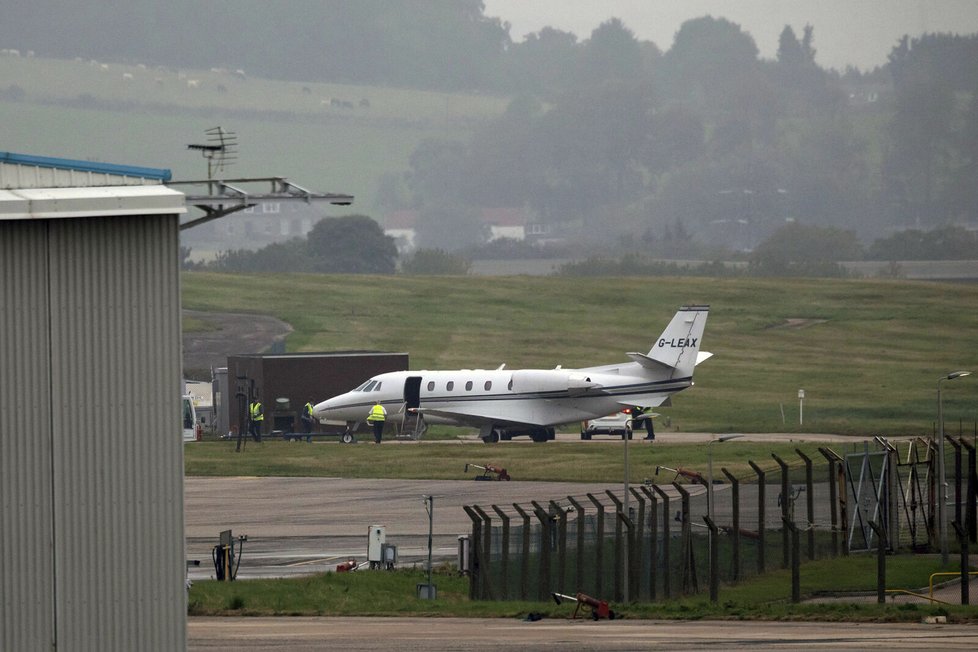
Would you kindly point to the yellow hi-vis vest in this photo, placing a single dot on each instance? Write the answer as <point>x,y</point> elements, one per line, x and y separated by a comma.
<point>377,413</point>
<point>256,413</point>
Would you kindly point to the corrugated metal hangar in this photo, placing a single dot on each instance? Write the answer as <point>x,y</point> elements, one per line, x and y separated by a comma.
<point>91,474</point>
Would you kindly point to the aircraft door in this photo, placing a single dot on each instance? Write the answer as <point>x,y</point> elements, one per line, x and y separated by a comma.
<point>412,392</point>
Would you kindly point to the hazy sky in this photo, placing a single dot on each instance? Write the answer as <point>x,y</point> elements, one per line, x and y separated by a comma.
<point>857,32</point>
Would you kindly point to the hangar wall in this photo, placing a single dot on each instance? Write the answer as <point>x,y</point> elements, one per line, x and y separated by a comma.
<point>91,459</point>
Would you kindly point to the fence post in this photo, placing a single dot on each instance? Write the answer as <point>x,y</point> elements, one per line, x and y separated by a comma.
<point>785,501</point>
<point>957,477</point>
<point>971,503</point>
<point>525,561</point>
<point>504,553</point>
<point>599,545</point>
<point>653,541</point>
<point>761,543</point>
<point>619,552</point>
<point>714,561</point>
<point>579,565</point>
<point>809,502</point>
<point>690,582</point>
<point>475,556</point>
<point>486,560</point>
<point>965,577</point>
<point>735,523</point>
<point>561,516</point>
<point>546,524</point>
<point>833,459</point>
<point>666,574</point>
<point>792,529</point>
<point>880,561</point>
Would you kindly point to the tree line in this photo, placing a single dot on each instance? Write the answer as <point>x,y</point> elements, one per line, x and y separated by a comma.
<point>605,138</point>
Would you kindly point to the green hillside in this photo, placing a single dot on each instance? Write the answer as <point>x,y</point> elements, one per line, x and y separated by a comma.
<point>867,352</point>
<point>143,116</point>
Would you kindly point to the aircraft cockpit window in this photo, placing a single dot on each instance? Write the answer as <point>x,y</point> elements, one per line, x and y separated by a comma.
<point>510,384</point>
<point>488,385</point>
<point>468,386</point>
<point>377,388</point>
<point>369,386</point>
<point>450,386</point>
<point>360,388</point>
<point>431,385</point>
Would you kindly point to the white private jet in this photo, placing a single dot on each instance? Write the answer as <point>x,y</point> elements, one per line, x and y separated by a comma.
<point>503,403</point>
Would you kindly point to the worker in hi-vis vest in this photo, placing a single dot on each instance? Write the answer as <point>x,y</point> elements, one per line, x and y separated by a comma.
<point>256,417</point>
<point>308,420</point>
<point>376,418</point>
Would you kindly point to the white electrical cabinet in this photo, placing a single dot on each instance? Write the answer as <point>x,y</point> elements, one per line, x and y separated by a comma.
<point>376,538</point>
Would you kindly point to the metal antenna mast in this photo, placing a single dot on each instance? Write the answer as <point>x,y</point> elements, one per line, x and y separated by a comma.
<point>220,150</point>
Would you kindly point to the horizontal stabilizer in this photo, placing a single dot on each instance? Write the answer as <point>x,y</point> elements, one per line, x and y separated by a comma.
<point>703,356</point>
<point>647,362</point>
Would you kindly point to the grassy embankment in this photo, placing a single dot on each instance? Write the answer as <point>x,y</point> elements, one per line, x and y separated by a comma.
<point>284,128</point>
<point>372,593</point>
<point>867,352</point>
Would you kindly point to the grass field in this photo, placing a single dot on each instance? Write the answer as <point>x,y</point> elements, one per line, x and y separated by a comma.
<point>566,462</point>
<point>393,594</point>
<point>77,109</point>
<point>868,353</point>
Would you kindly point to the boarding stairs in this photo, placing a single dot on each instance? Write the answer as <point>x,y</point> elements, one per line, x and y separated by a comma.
<point>412,425</point>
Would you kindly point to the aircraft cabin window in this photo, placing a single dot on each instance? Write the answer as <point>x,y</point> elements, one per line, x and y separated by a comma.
<point>468,386</point>
<point>450,385</point>
<point>488,385</point>
<point>377,388</point>
<point>370,385</point>
<point>431,385</point>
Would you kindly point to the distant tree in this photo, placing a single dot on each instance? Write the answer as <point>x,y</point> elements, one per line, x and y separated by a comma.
<point>944,243</point>
<point>354,244</point>
<point>450,227</point>
<point>612,52</point>
<point>278,257</point>
<point>916,166</point>
<point>800,250</point>
<point>963,190</point>
<point>437,171</point>
<point>710,57</point>
<point>544,63</point>
<point>436,262</point>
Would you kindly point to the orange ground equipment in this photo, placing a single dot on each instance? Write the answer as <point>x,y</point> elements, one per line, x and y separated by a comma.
<point>686,473</point>
<point>599,608</point>
<point>489,472</point>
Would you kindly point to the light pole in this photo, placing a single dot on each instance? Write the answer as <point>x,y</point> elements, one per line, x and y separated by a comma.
<point>941,474</point>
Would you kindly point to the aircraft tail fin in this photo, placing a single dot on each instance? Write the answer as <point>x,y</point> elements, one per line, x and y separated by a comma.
<point>678,346</point>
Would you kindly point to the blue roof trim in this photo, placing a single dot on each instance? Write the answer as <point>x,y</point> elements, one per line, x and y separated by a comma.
<point>86,166</point>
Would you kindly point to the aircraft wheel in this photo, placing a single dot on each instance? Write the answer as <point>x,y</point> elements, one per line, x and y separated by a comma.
<point>493,438</point>
<point>347,438</point>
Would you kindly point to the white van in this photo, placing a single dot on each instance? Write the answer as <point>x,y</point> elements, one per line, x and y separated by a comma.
<point>191,428</point>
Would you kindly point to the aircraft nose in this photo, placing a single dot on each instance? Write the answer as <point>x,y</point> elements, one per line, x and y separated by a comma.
<point>320,409</point>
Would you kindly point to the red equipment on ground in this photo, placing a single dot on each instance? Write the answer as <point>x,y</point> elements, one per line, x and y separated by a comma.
<point>599,608</point>
<point>686,473</point>
<point>489,472</point>
<point>346,566</point>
